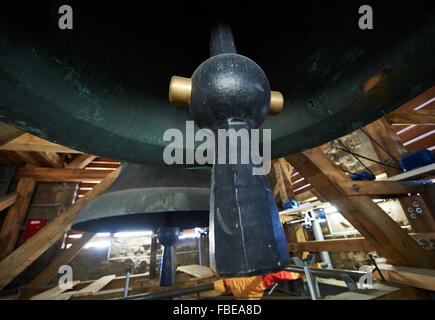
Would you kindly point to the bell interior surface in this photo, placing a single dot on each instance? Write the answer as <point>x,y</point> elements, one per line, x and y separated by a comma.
<point>148,198</point>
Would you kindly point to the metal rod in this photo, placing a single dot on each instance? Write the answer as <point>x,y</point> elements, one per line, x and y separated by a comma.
<point>376,266</point>
<point>328,273</point>
<point>171,293</point>
<point>380,146</point>
<point>318,235</point>
<point>378,162</point>
<point>222,40</point>
<point>310,282</point>
<point>127,280</point>
<point>201,250</point>
<point>357,158</point>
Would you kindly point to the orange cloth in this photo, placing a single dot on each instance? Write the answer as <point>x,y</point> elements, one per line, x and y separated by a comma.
<point>253,287</point>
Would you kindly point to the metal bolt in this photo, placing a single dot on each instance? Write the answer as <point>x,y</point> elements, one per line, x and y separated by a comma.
<point>419,210</point>
<point>421,242</point>
<point>416,204</point>
<point>410,209</point>
<point>413,216</point>
<point>356,187</point>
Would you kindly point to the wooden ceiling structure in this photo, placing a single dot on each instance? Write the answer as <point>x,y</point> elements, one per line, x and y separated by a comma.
<point>408,128</point>
<point>414,127</point>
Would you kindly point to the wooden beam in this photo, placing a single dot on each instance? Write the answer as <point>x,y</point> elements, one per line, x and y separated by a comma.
<point>27,158</point>
<point>383,133</point>
<point>414,277</point>
<point>7,200</point>
<point>81,161</point>
<point>52,158</point>
<point>353,244</point>
<point>63,174</point>
<point>381,291</point>
<point>150,286</point>
<point>28,142</point>
<point>94,287</point>
<point>29,251</point>
<point>15,216</point>
<point>280,181</point>
<point>414,174</point>
<point>377,188</point>
<point>401,117</point>
<point>52,293</point>
<point>8,133</point>
<point>64,258</point>
<point>342,245</point>
<point>287,171</point>
<point>367,217</point>
<point>197,271</point>
<point>423,221</point>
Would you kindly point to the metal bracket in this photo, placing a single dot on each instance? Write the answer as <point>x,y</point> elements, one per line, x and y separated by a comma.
<point>350,283</point>
<point>311,280</point>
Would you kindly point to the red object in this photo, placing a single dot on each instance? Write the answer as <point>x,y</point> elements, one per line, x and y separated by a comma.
<point>32,227</point>
<point>270,278</point>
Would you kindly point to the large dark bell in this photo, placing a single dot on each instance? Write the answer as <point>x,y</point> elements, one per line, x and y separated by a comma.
<point>150,198</point>
<point>147,198</point>
<point>108,77</point>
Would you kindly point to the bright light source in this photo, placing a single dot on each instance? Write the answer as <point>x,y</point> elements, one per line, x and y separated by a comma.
<point>132,234</point>
<point>188,236</point>
<point>330,209</point>
<point>103,234</point>
<point>378,200</point>
<point>68,245</point>
<point>97,244</point>
<point>75,236</point>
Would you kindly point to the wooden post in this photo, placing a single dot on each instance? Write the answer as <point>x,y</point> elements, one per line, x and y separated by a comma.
<point>367,217</point>
<point>29,251</point>
<point>15,216</point>
<point>153,256</point>
<point>286,171</point>
<point>280,181</point>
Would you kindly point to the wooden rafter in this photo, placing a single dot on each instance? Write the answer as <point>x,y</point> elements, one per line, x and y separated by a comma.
<point>81,161</point>
<point>399,117</point>
<point>64,258</point>
<point>28,142</point>
<point>352,244</point>
<point>15,216</point>
<point>377,188</point>
<point>8,133</point>
<point>382,132</point>
<point>7,200</point>
<point>415,277</point>
<point>368,218</point>
<point>63,174</point>
<point>29,251</point>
